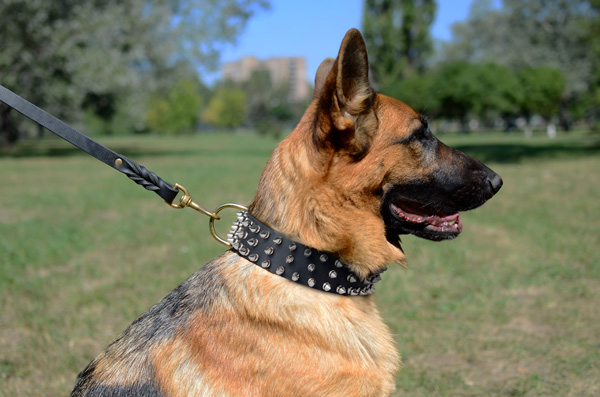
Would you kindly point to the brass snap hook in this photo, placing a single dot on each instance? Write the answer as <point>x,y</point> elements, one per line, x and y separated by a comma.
<point>186,201</point>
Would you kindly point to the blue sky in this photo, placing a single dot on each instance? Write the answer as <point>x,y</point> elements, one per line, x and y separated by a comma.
<point>315,28</point>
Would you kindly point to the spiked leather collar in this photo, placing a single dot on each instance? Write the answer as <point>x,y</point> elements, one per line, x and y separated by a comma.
<point>296,262</point>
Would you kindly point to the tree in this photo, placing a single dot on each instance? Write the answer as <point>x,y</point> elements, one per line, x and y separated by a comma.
<point>552,33</point>
<point>397,34</point>
<point>497,92</point>
<point>482,90</point>
<point>178,112</point>
<point>269,106</point>
<point>542,90</point>
<point>63,54</point>
<point>452,88</point>
<point>417,91</point>
<point>593,40</point>
<point>226,108</point>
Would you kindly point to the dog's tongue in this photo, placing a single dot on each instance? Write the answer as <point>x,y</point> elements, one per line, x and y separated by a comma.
<point>415,214</point>
<point>447,222</point>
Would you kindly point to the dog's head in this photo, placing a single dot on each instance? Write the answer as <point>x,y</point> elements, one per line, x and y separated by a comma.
<point>362,168</point>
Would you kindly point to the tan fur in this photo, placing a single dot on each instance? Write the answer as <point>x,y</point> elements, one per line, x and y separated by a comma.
<point>335,346</point>
<point>332,193</point>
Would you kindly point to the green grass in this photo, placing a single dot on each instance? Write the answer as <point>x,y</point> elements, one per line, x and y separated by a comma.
<point>509,308</point>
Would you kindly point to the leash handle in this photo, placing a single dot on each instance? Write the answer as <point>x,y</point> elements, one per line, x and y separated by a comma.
<point>137,173</point>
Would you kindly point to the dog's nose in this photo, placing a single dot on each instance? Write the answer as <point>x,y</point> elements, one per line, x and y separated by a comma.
<point>495,183</point>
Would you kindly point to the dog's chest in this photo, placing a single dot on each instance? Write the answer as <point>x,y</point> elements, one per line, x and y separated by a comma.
<point>269,337</point>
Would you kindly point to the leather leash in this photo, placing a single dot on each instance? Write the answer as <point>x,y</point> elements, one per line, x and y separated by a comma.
<point>134,171</point>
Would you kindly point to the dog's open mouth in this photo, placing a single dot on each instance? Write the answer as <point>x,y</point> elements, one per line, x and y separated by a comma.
<point>410,217</point>
<point>443,223</point>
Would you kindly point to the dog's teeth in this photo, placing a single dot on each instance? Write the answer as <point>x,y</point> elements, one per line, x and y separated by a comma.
<point>456,225</point>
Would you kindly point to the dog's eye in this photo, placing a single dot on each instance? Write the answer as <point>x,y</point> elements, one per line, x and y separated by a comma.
<point>420,135</point>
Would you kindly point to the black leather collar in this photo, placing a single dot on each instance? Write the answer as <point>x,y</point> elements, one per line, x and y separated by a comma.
<point>296,262</point>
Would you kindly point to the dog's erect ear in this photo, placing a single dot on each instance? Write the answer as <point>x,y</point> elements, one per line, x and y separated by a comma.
<point>346,98</point>
<point>321,76</point>
<point>354,93</point>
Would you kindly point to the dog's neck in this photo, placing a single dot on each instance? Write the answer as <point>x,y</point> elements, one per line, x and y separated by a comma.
<point>299,198</point>
<point>294,261</point>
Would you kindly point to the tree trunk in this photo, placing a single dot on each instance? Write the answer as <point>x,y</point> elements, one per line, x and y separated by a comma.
<point>564,117</point>
<point>9,133</point>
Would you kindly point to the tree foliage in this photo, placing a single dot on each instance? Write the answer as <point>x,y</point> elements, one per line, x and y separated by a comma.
<point>487,91</point>
<point>542,88</point>
<point>63,54</point>
<point>178,111</point>
<point>397,34</point>
<point>531,34</point>
<point>226,108</point>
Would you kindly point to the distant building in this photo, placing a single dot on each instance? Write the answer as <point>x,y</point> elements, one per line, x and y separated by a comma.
<point>283,70</point>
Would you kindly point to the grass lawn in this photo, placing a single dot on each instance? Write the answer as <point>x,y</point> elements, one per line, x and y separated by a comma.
<point>512,307</point>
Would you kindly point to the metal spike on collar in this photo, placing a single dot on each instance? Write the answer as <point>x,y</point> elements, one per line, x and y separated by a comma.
<point>294,261</point>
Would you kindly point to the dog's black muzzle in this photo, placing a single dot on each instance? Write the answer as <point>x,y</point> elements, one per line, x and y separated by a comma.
<point>429,206</point>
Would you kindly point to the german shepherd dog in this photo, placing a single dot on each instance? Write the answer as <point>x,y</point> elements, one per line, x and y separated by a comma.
<point>359,170</point>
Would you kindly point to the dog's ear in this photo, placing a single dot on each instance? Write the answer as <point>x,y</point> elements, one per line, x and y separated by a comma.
<point>346,97</point>
<point>322,73</point>
<point>354,92</point>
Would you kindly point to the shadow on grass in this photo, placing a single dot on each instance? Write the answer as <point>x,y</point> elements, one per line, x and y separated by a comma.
<point>513,152</point>
<point>56,148</point>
